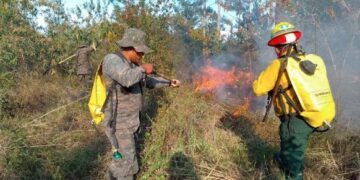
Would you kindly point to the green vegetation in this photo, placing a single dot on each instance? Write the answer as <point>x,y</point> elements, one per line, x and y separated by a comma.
<point>45,128</point>
<point>191,137</point>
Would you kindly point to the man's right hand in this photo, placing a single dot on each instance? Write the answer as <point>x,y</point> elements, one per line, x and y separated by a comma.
<point>148,68</point>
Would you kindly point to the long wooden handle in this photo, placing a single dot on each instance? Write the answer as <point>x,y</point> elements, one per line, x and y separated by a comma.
<point>275,92</point>
<point>66,59</point>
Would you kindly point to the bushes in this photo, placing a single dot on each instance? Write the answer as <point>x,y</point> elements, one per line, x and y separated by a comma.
<point>41,140</point>
<point>36,93</point>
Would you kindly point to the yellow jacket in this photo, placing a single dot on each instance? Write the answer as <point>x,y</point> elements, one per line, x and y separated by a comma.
<point>266,82</point>
<point>309,90</point>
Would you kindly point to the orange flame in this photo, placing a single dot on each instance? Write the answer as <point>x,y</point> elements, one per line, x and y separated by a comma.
<point>209,79</point>
<point>243,108</point>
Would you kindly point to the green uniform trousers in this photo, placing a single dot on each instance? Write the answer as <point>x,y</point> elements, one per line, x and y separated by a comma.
<point>294,135</point>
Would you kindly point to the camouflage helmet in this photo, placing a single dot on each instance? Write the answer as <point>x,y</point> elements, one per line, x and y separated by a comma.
<point>134,38</point>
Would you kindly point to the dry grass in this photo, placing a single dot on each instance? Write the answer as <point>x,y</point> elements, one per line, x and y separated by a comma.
<point>35,93</point>
<point>217,145</point>
<point>332,156</point>
<point>48,128</point>
<point>191,126</point>
<point>184,136</point>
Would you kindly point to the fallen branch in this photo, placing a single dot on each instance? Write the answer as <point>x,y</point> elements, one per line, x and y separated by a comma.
<point>212,170</point>
<point>350,172</point>
<point>54,110</point>
<point>61,133</point>
<point>34,146</point>
<point>215,173</point>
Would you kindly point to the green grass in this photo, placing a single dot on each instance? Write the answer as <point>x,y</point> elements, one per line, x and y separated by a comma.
<point>187,129</point>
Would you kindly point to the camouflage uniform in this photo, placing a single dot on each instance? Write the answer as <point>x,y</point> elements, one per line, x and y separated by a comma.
<point>122,110</point>
<point>83,70</point>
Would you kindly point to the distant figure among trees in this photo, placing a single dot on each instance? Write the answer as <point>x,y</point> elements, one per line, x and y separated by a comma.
<point>83,66</point>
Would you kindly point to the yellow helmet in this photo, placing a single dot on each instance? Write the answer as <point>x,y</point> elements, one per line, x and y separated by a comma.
<point>284,33</point>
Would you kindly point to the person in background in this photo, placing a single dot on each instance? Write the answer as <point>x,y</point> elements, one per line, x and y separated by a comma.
<point>83,66</point>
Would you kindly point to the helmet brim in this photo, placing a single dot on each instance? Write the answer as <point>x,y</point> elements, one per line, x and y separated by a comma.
<point>143,48</point>
<point>139,48</point>
<point>285,38</point>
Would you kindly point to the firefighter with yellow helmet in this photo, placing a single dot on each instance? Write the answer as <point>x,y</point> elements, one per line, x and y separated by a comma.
<point>300,91</point>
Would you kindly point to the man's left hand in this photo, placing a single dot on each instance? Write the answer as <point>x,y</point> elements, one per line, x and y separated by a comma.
<point>175,83</point>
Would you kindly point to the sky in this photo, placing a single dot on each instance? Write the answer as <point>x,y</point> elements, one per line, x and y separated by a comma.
<point>70,4</point>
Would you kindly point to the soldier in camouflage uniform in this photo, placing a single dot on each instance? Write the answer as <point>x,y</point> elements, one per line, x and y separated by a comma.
<point>83,70</point>
<point>126,78</point>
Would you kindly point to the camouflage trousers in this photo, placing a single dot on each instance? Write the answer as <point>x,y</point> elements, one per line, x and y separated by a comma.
<point>126,167</point>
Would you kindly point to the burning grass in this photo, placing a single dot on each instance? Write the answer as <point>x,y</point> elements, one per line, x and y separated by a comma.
<point>194,137</point>
<point>183,136</point>
<point>210,78</point>
<point>231,86</point>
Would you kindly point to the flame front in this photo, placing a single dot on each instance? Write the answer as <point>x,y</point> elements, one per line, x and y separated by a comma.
<point>231,85</point>
<point>243,108</point>
<point>211,78</point>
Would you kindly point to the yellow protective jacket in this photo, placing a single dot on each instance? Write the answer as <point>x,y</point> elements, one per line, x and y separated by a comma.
<point>308,91</point>
<point>266,82</point>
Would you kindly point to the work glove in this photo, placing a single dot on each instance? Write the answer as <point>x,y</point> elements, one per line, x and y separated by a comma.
<point>148,68</point>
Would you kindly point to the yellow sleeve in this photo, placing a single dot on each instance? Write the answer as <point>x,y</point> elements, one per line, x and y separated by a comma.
<point>267,79</point>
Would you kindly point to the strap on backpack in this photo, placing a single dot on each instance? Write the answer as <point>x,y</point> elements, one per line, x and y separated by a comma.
<point>112,86</point>
<point>273,95</point>
<point>289,101</point>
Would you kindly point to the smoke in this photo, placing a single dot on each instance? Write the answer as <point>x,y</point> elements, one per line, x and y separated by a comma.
<point>336,40</point>
<point>330,29</point>
<point>227,77</point>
